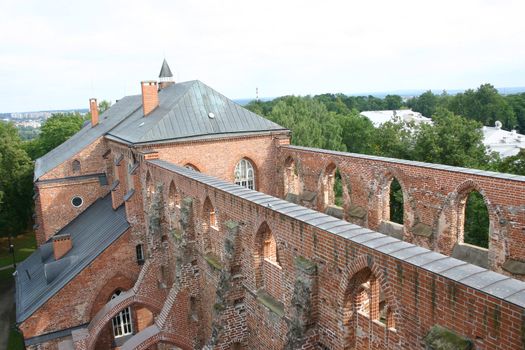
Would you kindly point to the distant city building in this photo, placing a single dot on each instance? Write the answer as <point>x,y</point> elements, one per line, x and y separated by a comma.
<point>506,143</point>
<point>407,115</point>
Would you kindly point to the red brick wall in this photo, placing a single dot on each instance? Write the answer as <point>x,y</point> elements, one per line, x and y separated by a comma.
<point>418,298</point>
<point>73,304</point>
<point>91,162</point>
<point>260,150</point>
<point>431,196</point>
<point>55,208</point>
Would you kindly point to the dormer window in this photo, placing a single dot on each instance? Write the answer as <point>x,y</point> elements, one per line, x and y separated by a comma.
<point>75,165</point>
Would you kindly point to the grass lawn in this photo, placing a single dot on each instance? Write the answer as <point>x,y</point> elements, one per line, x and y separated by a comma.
<point>16,342</point>
<point>24,243</point>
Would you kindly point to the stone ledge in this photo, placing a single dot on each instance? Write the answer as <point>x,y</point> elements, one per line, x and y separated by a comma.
<point>273,305</point>
<point>514,266</point>
<point>357,212</point>
<point>422,229</point>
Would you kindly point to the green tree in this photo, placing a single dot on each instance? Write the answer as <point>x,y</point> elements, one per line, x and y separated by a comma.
<point>393,102</point>
<point>393,139</point>
<point>485,105</point>
<point>514,164</point>
<point>476,229</point>
<point>16,185</point>
<point>451,140</point>
<point>56,129</point>
<point>311,123</point>
<point>358,132</point>
<point>425,104</point>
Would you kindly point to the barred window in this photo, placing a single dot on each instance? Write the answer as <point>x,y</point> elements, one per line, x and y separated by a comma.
<point>121,322</point>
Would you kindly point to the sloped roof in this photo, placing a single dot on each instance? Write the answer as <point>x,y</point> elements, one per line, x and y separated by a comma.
<point>87,135</point>
<point>39,277</point>
<point>190,109</point>
<point>183,112</point>
<point>165,71</point>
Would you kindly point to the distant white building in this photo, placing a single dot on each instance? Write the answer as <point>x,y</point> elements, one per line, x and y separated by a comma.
<point>407,115</point>
<point>506,143</point>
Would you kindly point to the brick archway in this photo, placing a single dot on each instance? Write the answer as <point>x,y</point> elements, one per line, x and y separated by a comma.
<point>118,281</point>
<point>360,270</point>
<point>153,335</point>
<point>113,307</point>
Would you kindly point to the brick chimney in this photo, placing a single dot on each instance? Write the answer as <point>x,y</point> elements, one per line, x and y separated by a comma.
<point>61,245</point>
<point>93,108</point>
<point>150,96</point>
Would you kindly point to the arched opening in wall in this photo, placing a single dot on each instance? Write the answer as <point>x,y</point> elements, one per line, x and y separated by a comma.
<point>129,175</point>
<point>245,174</point>
<point>366,309</point>
<point>392,208</point>
<point>191,167</point>
<point>473,228</point>
<point>210,225</point>
<point>332,187</point>
<point>173,206</point>
<point>150,189</point>
<point>476,220</point>
<point>396,202</point>
<point>75,166</point>
<point>268,269</point>
<point>291,180</point>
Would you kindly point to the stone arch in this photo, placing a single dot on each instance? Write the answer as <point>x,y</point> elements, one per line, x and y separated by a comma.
<point>156,336</point>
<point>244,179</point>
<point>361,271</point>
<point>292,183</point>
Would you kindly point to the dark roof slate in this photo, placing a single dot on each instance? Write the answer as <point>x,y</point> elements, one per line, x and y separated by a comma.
<point>184,112</point>
<point>39,277</point>
<point>87,135</point>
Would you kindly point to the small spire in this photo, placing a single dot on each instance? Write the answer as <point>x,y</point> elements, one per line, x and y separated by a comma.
<point>165,76</point>
<point>165,71</point>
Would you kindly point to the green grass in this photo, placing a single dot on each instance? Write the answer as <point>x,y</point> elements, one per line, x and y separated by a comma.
<point>7,274</point>
<point>25,244</point>
<point>16,342</point>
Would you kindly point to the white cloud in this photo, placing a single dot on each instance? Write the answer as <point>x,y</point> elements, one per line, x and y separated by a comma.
<point>57,54</point>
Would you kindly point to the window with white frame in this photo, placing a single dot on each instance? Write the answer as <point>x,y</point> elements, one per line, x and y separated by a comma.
<point>245,174</point>
<point>122,322</point>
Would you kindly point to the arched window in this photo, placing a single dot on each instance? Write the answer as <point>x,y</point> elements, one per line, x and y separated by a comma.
<point>245,174</point>
<point>150,189</point>
<point>291,178</point>
<point>122,322</point>
<point>173,202</point>
<point>75,166</point>
<point>332,187</point>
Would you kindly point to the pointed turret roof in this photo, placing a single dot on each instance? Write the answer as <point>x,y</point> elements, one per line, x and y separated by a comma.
<point>165,71</point>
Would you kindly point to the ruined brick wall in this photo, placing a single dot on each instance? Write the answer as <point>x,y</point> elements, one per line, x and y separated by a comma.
<point>432,199</point>
<point>75,304</point>
<point>319,306</point>
<point>219,157</point>
<point>55,209</point>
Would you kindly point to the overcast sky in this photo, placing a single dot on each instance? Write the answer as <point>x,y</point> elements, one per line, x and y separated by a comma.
<point>58,54</point>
